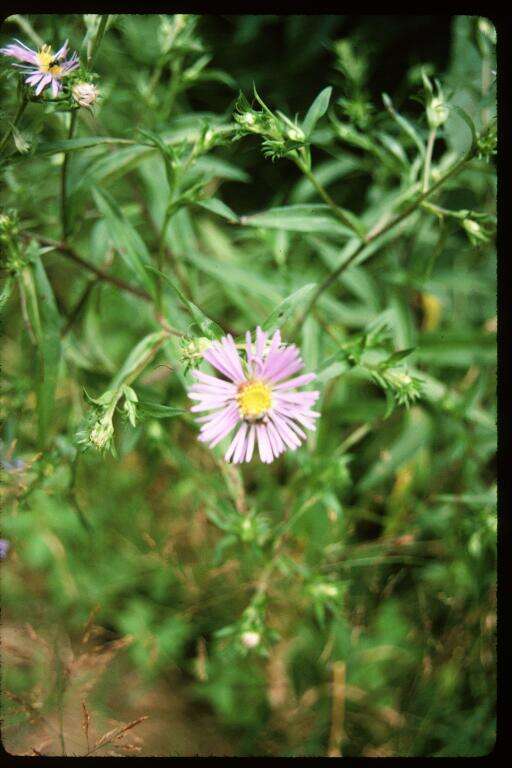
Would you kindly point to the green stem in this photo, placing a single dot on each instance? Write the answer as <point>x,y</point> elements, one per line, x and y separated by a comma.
<point>27,28</point>
<point>21,108</point>
<point>155,77</point>
<point>160,259</point>
<point>338,212</point>
<point>264,580</point>
<point>173,88</point>
<point>93,50</point>
<point>428,159</point>
<point>380,230</point>
<point>63,178</point>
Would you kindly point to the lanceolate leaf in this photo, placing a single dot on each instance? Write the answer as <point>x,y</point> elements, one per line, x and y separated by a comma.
<point>298,218</point>
<point>138,358</point>
<point>158,411</point>
<point>221,209</point>
<point>48,352</point>
<point>286,308</point>
<point>209,327</point>
<point>317,110</point>
<point>125,238</point>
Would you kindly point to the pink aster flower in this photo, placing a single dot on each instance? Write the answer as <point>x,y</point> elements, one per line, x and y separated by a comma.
<point>43,67</point>
<point>255,395</point>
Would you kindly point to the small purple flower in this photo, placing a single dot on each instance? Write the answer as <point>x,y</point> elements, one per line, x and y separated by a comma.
<point>257,394</point>
<point>43,67</point>
<point>4,548</point>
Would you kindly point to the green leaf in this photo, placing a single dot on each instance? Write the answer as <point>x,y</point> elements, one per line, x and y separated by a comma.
<point>214,167</point>
<point>399,355</point>
<point>312,217</point>
<point>406,126</point>
<point>49,349</point>
<point>166,152</point>
<point>469,122</point>
<point>125,238</point>
<point>221,209</point>
<point>74,145</point>
<point>107,167</point>
<point>326,173</point>
<point>138,358</point>
<point>393,147</point>
<point>317,110</point>
<point>205,324</point>
<point>157,411</point>
<point>416,433</point>
<point>286,308</point>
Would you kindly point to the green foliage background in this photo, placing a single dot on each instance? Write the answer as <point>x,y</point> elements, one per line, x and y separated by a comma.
<point>369,552</point>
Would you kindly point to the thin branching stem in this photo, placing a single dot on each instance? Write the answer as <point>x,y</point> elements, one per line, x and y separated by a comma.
<point>338,212</point>
<point>428,159</point>
<point>67,250</point>
<point>380,230</point>
<point>93,50</point>
<point>63,180</point>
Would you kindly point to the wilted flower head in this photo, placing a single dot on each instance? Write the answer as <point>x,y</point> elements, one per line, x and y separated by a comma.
<point>43,67</point>
<point>85,94</point>
<point>257,395</point>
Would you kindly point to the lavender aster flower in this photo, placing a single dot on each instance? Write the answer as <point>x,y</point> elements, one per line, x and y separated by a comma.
<point>256,395</point>
<point>4,548</point>
<point>43,68</point>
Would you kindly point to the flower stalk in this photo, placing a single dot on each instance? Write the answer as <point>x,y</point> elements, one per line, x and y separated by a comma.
<point>63,180</point>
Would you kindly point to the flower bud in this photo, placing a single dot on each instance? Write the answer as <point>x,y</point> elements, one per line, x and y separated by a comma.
<point>85,94</point>
<point>437,112</point>
<point>295,134</point>
<point>325,590</point>
<point>472,227</point>
<point>251,639</point>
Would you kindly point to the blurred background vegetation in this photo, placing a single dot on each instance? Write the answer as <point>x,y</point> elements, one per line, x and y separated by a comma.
<point>363,565</point>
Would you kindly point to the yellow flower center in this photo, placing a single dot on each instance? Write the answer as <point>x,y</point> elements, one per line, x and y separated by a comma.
<point>254,399</point>
<point>45,61</point>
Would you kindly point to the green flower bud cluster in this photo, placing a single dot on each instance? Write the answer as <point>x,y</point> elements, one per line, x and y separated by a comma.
<point>9,225</point>
<point>280,135</point>
<point>97,431</point>
<point>325,596</point>
<point>191,351</point>
<point>250,633</point>
<point>13,257</point>
<point>251,528</point>
<point>404,388</point>
<point>487,142</point>
<point>480,231</point>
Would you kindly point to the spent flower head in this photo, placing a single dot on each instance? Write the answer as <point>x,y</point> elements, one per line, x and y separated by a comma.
<point>84,94</point>
<point>258,395</point>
